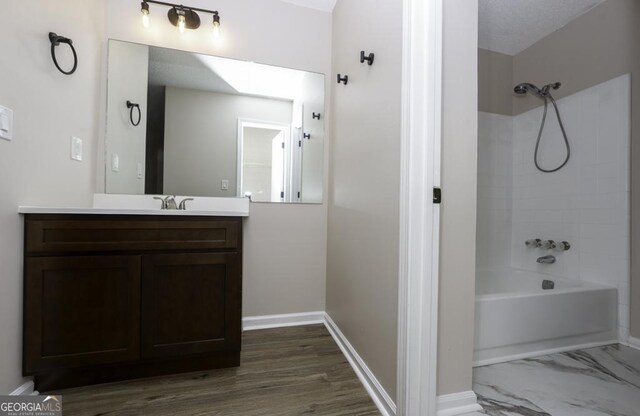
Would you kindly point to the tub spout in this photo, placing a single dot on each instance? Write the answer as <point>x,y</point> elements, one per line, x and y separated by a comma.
<point>546,259</point>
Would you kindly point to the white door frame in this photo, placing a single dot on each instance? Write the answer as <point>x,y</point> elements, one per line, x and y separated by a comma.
<point>250,122</point>
<point>419,216</point>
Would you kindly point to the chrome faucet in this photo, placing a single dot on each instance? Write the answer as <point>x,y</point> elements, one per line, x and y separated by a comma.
<point>546,259</point>
<point>183,204</point>
<point>168,202</point>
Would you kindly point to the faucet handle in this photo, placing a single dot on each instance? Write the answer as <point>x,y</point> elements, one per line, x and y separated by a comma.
<point>547,244</point>
<point>532,243</point>
<point>163,202</point>
<point>183,203</point>
<point>562,246</point>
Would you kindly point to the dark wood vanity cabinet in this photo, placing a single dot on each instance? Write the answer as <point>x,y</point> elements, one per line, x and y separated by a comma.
<point>115,297</point>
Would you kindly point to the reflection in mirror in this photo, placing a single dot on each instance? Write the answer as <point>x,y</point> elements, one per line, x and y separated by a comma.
<point>212,126</point>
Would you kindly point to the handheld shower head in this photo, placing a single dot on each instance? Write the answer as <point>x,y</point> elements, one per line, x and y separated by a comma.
<point>521,89</point>
<point>525,87</point>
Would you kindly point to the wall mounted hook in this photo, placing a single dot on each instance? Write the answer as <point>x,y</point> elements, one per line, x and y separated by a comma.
<point>343,79</point>
<point>131,106</point>
<point>316,116</point>
<point>56,40</point>
<point>369,58</point>
<point>307,136</point>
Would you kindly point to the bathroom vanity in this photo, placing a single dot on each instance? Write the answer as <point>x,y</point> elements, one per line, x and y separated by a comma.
<point>112,297</point>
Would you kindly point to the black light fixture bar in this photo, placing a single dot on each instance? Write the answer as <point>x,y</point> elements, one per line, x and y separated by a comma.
<point>181,16</point>
<point>180,6</point>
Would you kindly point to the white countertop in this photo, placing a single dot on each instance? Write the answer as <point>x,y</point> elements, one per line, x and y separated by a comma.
<point>113,204</point>
<point>123,211</point>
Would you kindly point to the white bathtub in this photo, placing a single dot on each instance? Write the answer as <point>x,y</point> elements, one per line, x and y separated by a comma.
<point>516,318</point>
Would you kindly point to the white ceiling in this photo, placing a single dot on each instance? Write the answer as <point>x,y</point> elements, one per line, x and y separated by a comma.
<point>511,26</point>
<point>180,69</point>
<point>324,5</point>
<point>171,68</point>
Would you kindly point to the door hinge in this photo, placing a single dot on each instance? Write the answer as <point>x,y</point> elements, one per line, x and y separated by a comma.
<point>281,194</point>
<point>299,143</point>
<point>437,195</point>
<point>298,195</point>
<point>283,145</point>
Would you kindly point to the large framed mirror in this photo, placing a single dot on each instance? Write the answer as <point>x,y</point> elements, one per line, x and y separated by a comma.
<point>183,123</point>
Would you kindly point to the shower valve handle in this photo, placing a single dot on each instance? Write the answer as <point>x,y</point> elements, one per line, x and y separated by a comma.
<point>547,245</point>
<point>562,246</point>
<point>532,243</point>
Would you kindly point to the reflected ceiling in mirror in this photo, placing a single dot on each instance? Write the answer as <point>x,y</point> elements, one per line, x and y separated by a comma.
<point>212,126</point>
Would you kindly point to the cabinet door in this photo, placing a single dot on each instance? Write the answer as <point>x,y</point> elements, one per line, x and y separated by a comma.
<point>81,311</point>
<point>191,303</point>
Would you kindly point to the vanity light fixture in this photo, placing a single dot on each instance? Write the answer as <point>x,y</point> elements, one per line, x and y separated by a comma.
<point>144,9</point>
<point>216,26</point>
<point>183,17</point>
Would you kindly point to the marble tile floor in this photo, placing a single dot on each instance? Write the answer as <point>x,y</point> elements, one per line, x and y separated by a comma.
<point>602,381</point>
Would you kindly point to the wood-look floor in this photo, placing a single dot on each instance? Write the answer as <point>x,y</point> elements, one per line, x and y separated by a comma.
<point>285,371</point>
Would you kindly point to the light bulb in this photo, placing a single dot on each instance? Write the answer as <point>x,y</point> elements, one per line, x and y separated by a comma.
<point>216,27</point>
<point>144,8</point>
<point>181,23</point>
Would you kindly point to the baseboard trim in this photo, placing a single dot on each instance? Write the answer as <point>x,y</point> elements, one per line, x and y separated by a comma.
<point>632,343</point>
<point>458,404</point>
<point>505,359</point>
<point>251,323</point>
<point>27,389</point>
<point>382,400</point>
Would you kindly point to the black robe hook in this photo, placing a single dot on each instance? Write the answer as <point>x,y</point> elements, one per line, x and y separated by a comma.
<point>368,58</point>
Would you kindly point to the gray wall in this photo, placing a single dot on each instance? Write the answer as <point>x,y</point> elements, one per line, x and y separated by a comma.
<point>495,82</point>
<point>201,138</point>
<point>458,215</point>
<point>596,47</point>
<point>49,108</point>
<point>362,258</point>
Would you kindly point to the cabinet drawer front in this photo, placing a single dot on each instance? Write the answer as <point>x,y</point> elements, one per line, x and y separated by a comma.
<point>81,311</point>
<point>190,304</point>
<point>127,233</point>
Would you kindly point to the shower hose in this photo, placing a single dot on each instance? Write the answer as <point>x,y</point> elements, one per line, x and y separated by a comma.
<point>547,98</point>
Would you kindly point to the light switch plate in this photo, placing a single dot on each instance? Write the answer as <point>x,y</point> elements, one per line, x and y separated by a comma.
<point>76,149</point>
<point>6,123</point>
<point>224,185</point>
<point>115,162</point>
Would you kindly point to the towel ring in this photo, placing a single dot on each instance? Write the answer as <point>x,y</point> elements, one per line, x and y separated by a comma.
<point>57,40</point>
<point>131,106</point>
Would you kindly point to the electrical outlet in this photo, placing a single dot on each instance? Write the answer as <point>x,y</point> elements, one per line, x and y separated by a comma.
<point>76,149</point>
<point>224,185</point>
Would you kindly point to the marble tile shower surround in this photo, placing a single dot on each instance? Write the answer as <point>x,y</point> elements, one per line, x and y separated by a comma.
<point>585,203</point>
<point>601,381</point>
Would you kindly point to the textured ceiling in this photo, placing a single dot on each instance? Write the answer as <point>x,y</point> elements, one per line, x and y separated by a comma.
<point>511,26</point>
<point>324,5</point>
